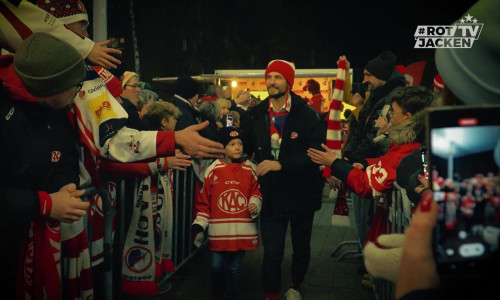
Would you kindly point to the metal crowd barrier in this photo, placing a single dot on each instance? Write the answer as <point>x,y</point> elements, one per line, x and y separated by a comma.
<point>399,211</point>
<point>362,209</point>
<point>183,205</point>
<point>107,265</point>
<point>123,192</point>
<point>399,215</point>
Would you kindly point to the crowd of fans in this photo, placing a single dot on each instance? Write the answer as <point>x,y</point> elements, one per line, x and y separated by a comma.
<point>253,161</point>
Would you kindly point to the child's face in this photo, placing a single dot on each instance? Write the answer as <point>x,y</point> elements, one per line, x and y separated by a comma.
<point>224,110</point>
<point>236,124</point>
<point>168,124</point>
<point>234,150</point>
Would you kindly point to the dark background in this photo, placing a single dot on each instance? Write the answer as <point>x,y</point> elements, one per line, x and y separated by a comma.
<point>196,37</point>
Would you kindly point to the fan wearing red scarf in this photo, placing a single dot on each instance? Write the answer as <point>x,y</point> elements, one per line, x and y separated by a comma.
<point>39,164</point>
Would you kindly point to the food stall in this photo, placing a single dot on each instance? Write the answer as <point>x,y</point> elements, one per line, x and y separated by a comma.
<point>253,81</point>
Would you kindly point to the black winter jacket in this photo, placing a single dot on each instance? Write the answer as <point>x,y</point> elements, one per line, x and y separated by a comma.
<point>297,188</point>
<point>361,144</point>
<point>38,153</point>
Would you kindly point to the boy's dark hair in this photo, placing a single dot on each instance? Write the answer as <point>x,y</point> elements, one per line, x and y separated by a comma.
<point>413,99</point>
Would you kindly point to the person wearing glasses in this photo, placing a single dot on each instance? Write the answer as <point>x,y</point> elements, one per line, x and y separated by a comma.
<point>39,162</point>
<point>406,135</point>
<point>130,98</point>
<point>399,112</point>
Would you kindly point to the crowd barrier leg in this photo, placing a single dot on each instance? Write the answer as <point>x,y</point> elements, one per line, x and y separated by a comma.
<point>107,242</point>
<point>396,223</point>
<point>361,207</point>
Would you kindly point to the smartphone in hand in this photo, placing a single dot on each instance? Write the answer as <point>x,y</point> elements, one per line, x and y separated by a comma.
<point>465,182</point>
<point>229,121</point>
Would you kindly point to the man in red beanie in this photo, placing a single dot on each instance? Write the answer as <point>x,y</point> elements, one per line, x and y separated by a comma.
<point>284,127</point>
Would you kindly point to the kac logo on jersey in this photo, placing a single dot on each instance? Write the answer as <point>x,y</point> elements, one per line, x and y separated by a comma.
<point>460,35</point>
<point>232,201</point>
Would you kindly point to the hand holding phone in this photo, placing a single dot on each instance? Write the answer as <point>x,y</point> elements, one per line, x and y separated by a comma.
<point>461,143</point>
<point>229,121</point>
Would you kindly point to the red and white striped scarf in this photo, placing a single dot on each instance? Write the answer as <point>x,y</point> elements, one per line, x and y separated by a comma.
<point>40,274</point>
<point>334,127</point>
<point>340,215</point>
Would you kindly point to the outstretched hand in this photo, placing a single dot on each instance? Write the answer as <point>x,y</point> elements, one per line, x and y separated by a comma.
<point>195,145</point>
<point>179,162</point>
<point>322,158</point>
<point>99,55</point>
<point>418,270</point>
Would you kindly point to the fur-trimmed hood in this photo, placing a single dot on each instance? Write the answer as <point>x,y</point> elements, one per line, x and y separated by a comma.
<point>412,130</point>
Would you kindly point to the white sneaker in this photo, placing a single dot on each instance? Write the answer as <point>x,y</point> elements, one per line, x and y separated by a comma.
<point>293,294</point>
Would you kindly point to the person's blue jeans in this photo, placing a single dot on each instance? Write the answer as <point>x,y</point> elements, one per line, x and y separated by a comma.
<point>226,270</point>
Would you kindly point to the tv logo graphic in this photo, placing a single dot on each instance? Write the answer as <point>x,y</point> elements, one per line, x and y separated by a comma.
<point>460,35</point>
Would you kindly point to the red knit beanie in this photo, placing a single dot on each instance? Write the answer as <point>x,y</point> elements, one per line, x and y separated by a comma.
<point>285,68</point>
<point>401,69</point>
<point>438,82</point>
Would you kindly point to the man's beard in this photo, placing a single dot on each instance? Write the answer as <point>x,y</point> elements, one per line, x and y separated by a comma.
<point>278,95</point>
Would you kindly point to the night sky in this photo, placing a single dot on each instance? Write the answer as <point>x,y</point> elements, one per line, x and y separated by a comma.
<point>196,37</point>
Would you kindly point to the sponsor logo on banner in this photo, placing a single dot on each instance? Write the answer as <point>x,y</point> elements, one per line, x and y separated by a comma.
<point>460,35</point>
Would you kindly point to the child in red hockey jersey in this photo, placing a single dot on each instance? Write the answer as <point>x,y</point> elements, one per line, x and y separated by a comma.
<point>230,202</point>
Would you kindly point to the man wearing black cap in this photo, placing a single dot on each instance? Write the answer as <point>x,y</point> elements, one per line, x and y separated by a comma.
<point>382,79</point>
<point>186,91</point>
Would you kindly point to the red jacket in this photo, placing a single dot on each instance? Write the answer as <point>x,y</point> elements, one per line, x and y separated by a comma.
<point>379,175</point>
<point>316,102</point>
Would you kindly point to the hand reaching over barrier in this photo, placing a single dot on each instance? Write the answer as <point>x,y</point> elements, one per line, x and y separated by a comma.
<point>179,162</point>
<point>100,55</point>
<point>196,146</point>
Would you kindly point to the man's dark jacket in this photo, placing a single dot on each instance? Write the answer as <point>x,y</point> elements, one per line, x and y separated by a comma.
<point>297,188</point>
<point>361,144</point>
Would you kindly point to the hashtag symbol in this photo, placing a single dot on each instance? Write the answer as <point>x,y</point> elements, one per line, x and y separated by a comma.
<point>421,30</point>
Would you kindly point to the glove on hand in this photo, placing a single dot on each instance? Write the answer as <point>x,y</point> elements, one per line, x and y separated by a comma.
<point>384,262</point>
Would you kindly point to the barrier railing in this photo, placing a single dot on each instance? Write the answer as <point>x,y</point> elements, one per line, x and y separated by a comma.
<point>107,250</point>
<point>399,211</point>
<point>362,208</point>
<point>183,203</point>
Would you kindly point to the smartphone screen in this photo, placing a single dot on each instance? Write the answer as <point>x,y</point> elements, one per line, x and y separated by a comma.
<point>425,162</point>
<point>465,182</point>
<point>229,121</point>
